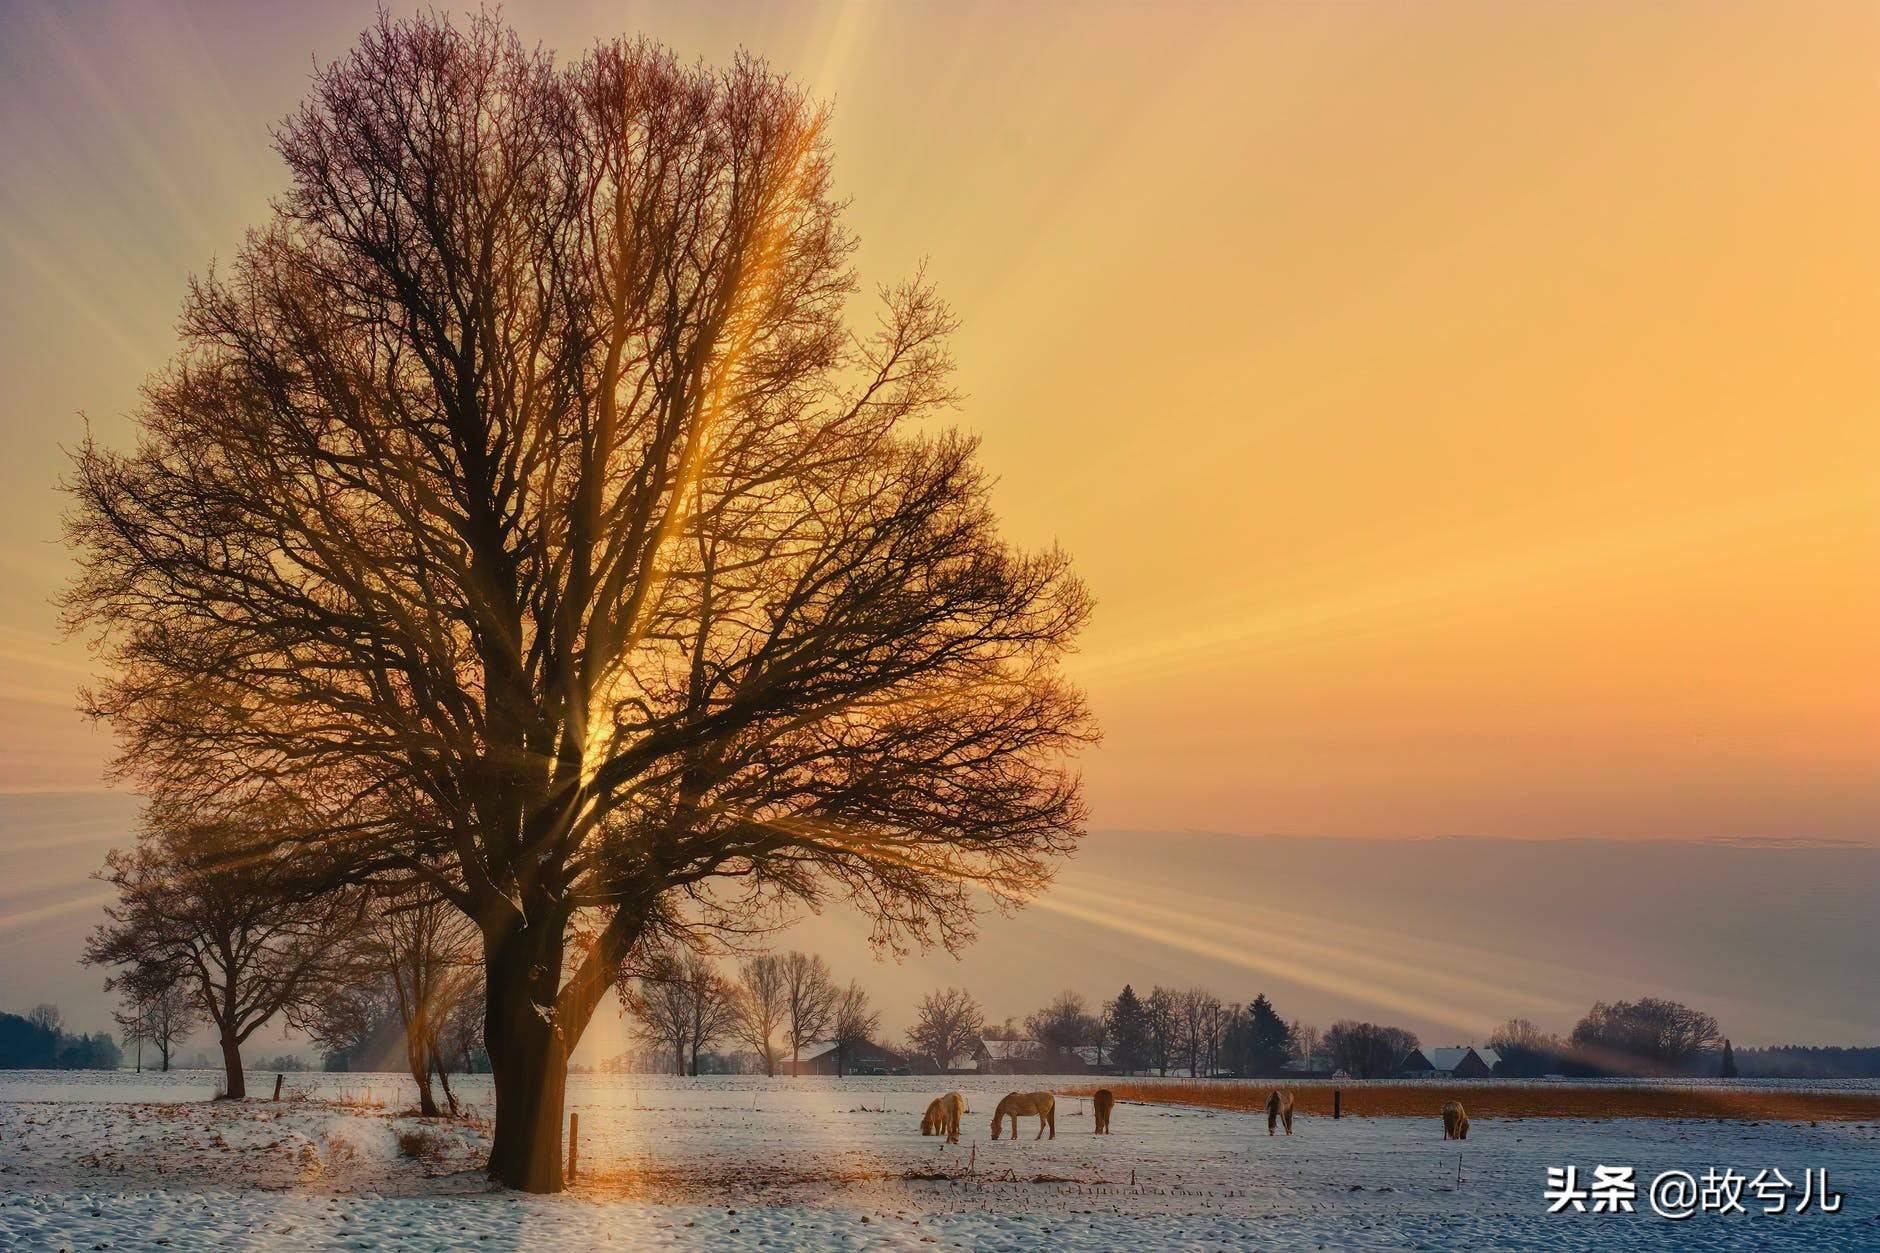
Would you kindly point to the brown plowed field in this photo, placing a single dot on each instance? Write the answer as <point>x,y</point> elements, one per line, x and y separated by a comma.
<point>1510,1100</point>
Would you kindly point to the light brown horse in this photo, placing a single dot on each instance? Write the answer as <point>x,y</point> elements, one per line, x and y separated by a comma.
<point>943,1117</point>
<point>1026,1104</point>
<point>1279,1109</point>
<point>1103,1102</point>
<point>1455,1121</point>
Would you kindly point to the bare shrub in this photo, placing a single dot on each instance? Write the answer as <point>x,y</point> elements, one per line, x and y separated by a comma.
<point>419,1143</point>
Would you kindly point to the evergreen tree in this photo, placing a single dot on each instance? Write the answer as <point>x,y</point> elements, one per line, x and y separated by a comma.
<point>1269,1042</point>
<point>1728,1069</point>
<point>1129,1032</point>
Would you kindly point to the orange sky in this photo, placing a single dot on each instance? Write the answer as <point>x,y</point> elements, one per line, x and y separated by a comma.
<point>1464,413</point>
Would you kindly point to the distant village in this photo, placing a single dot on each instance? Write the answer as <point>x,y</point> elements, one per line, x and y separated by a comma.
<point>992,1055</point>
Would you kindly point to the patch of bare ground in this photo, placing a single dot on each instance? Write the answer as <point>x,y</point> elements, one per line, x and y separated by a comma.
<point>704,1183</point>
<point>1358,1098</point>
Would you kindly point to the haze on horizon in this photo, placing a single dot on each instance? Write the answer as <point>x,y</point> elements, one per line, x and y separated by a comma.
<point>1463,414</point>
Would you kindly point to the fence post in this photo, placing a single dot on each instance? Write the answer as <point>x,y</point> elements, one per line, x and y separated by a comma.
<point>574,1144</point>
<point>1335,1103</point>
<point>277,1086</point>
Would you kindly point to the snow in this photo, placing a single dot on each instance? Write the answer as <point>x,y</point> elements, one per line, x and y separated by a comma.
<point>128,1161</point>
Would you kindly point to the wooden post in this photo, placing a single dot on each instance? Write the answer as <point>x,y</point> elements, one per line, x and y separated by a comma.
<point>277,1086</point>
<point>574,1144</point>
<point>1334,1102</point>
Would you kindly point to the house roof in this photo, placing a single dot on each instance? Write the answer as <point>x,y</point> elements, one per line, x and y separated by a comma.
<point>1449,1058</point>
<point>1007,1050</point>
<point>819,1048</point>
<point>1490,1057</point>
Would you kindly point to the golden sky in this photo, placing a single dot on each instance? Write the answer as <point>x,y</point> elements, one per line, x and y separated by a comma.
<point>1464,413</point>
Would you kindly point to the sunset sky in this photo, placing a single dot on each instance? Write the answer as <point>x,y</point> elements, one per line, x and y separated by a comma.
<point>1464,414</point>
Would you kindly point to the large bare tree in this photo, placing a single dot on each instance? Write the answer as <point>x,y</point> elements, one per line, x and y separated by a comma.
<point>522,499</point>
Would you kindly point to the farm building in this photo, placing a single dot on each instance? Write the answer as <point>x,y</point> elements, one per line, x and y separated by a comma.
<point>1459,1061</point>
<point>1028,1057</point>
<point>825,1058</point>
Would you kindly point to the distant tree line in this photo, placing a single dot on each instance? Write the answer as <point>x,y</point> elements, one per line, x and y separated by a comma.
<point>381,975</point>
<point>1807,1061</point>
<point>39,1041</point>
<point>1647,1037</point>
<point>775,1005</point>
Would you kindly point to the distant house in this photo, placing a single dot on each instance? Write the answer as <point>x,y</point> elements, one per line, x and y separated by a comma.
<point>1296,1068</point>
<point>824,1058</point>
<point>1459,1061</point>
<point>1008,1057</point>
<point>1028,1057</point>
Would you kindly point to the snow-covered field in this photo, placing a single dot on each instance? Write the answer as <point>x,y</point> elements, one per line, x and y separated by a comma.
<point>140,1161</point>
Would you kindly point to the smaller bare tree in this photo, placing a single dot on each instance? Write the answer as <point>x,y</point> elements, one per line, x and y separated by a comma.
<point>946,1026</point>
<point>461,1037</point>
<point>809,996</point>
<point>1649,1036</point>
<point>1197,1023</point>
<point>1064,1025</point>
<point>173,1015</point>
<point>1365,1050</point>
<point>683,1003</point>
<point>245,949</point>
<point>410,965</point>
<point>762,1003</point>
<point>852,1023</point>
<point>1306,1045</point>
<point>133,1019</point>
<point>1162,1019</point>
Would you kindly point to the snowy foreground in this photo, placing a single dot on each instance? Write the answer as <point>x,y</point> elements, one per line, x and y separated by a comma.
<point>92,1161</point>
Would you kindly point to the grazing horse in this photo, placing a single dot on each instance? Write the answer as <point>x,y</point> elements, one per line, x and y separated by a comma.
<point>1103,1102</point>
<point>943,1117</point>
<point>1279,1110</point>
<point>1455,1121</point>
<point>1027,1104</point>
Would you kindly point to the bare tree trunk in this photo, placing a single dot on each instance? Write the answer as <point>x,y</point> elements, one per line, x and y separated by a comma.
<point>237,1089</point>
<point>417,1061</point>
<point>443,1077</point>
<point>528,1064</point>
